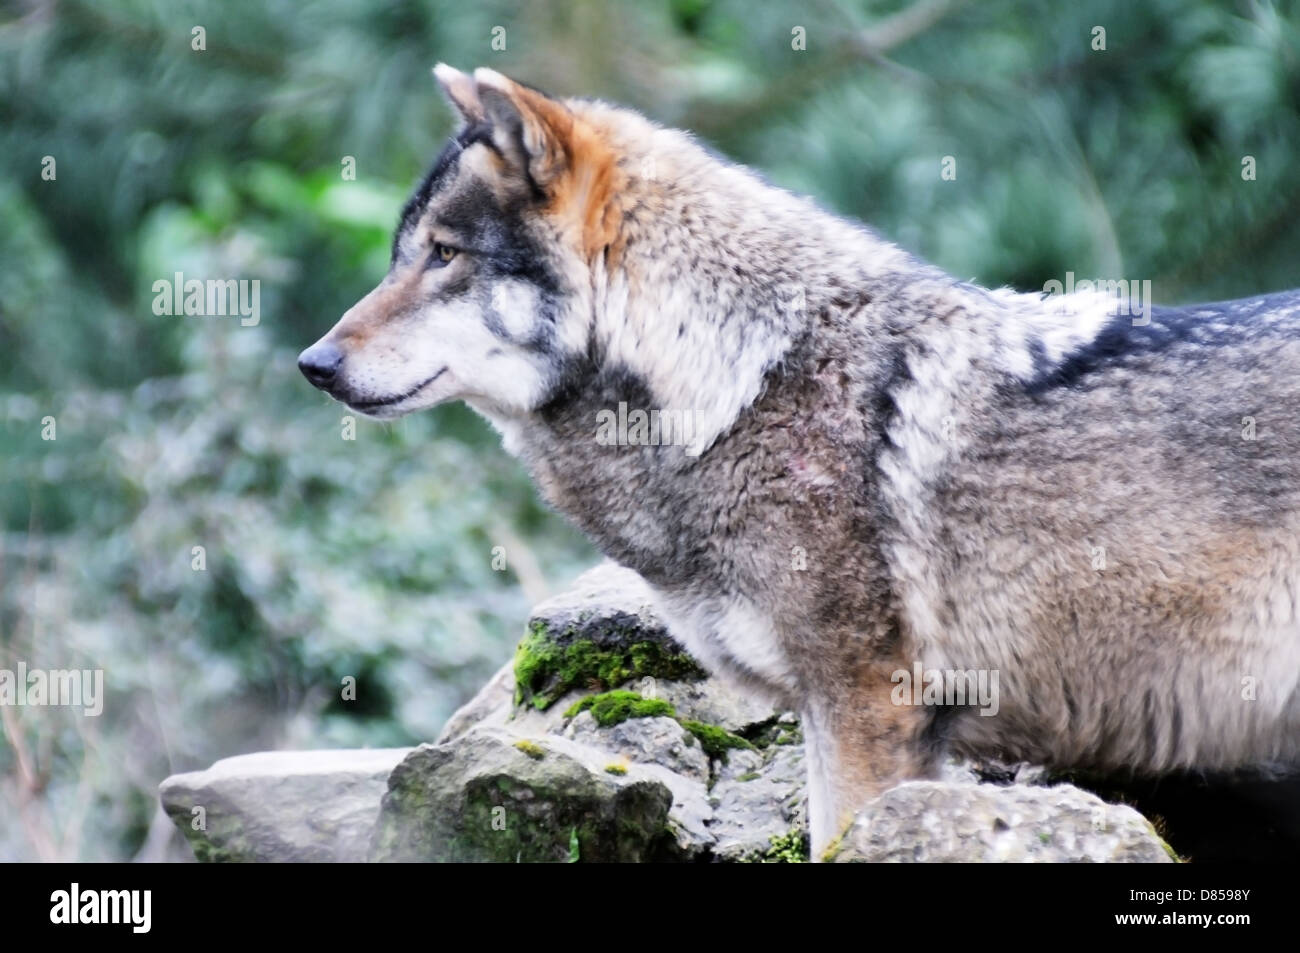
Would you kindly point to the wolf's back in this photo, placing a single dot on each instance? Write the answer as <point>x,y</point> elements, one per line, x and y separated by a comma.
<point>1123,544</point>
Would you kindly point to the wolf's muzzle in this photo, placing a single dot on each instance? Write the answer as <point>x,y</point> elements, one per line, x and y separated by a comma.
<point>320,363</point>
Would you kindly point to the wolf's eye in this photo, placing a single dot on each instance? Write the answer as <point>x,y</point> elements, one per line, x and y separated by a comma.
<point>443,253</point>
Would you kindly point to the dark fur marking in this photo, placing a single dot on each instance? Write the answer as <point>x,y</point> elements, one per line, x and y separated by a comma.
<point>493,235</point>
<point>884,405</point>
<point>1038,354</point>
<point>1121,341</point>
<point>437,176</point>
<point>937,730</point>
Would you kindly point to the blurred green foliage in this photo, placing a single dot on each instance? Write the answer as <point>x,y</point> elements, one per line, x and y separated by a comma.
<point>328,558</point>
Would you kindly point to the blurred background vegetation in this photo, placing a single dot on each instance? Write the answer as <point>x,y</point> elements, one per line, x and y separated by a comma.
<point>373,558</point>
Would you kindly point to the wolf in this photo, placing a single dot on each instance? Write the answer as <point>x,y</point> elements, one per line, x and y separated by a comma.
<point>887,470</point>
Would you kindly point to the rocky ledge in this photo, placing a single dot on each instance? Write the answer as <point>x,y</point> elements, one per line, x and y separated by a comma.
<point>604,741</point>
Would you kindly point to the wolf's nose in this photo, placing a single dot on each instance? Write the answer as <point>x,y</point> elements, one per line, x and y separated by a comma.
<point>319,363</point>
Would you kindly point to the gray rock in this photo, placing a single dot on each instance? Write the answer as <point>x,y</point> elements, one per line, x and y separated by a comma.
<point>712,701</point>
<point>957,771</point>
<point>604,603</point>
<point>689,817</point>
<point>288,806</point>
<point>508,781</point>
<point>492,705</point>
<point>608,614</point>
<point>758,796</point>
<point>660,741</point>
<point>491,795</point>
<point>929,821</point>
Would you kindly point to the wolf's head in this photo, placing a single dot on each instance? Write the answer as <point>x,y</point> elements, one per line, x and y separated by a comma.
<point>574,249</point>
<point>488,295</point>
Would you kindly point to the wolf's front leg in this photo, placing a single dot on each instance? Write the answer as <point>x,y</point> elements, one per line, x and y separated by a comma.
<point>857,746</point>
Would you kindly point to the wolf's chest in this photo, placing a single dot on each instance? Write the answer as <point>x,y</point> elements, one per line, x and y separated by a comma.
<point>731,636</point>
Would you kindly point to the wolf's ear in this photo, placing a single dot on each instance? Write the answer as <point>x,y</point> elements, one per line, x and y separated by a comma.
<point>531,130</point>
<point>460,91</point>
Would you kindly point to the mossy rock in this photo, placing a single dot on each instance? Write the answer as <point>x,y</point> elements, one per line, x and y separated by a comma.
<point>616,707</point>
<point>715,741</point>
<point>612,708</point>
<point>225,844</point>
<point>482,799</point>
<point>598,657</point>
<point>530,748</point>
<point>599,634</point>
<point>788,848</point>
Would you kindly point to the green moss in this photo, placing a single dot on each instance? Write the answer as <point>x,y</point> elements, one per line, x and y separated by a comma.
<point>206,852</point>
<point>615,769</point>
<point>833,848</point>
<point>546,668</point>
<point>224,842</point>
<point>551,814</point>
<point>535,657</point>
<point>788,848</point>
<point>531,748</point>
<point>611,708</point>
<point>749,776</point>
<point>1045,837</point>
<point>714,740</point>
<point>1158,830</point>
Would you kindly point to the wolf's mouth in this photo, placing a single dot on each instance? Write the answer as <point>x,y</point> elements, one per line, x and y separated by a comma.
<point>368,405</point>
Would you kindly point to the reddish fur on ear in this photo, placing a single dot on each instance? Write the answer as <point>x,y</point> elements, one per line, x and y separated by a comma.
<point>586,193</point>
<point>567,159</point>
